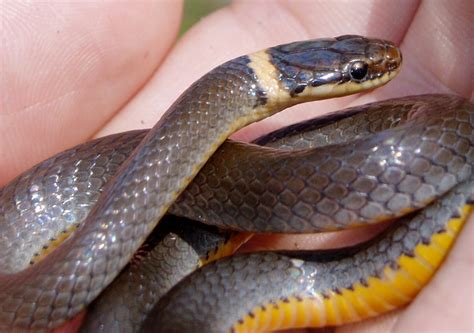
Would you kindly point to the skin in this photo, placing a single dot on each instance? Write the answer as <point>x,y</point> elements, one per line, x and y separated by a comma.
<point>72,72</point>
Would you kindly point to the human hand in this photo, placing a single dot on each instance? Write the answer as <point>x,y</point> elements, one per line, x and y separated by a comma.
<point>72,72</point>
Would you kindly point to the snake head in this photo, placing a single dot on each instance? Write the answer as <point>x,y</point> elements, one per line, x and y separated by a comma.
<point>323,68</point>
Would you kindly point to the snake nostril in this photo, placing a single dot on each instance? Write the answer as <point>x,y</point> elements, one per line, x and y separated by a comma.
<point>392,65</point>
<point>393,54</point>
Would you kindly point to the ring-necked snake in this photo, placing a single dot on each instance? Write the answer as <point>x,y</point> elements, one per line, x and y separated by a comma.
<point>353,177</point>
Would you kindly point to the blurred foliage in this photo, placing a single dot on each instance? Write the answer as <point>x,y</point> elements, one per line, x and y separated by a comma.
<point>194,10</point>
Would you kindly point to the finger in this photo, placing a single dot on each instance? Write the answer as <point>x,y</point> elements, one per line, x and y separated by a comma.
<point>437,50</point>
<point>67,67</point>
<point>327,240</point>
<point>248,26</point>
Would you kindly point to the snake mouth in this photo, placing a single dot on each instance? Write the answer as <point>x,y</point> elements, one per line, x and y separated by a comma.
<point>338,89</point>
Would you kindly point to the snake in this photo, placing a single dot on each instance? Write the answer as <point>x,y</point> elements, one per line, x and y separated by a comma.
<point>99,240</point>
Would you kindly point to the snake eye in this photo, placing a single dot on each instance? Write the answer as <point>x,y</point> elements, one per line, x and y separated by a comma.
<point>359,70</point>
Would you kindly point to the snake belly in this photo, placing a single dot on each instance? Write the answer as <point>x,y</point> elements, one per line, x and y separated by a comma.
<point>229,97</point>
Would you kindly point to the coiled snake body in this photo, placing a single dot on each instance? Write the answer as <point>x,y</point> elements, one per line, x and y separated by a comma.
<point>427,160</point>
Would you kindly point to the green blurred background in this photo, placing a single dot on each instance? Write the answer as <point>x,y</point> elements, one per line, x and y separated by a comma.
<point>194,10</point>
